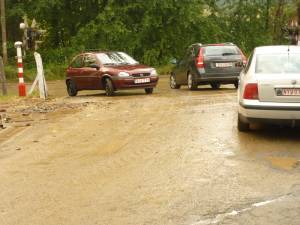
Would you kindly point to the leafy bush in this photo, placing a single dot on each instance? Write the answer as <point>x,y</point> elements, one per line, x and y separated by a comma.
<point>52,72</point>
<point>164,70</point>
<point>153,32</point>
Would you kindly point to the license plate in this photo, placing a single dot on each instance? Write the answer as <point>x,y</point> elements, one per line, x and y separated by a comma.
<point>142,81</point>
<point>224,65</point>
<point>288,92</point>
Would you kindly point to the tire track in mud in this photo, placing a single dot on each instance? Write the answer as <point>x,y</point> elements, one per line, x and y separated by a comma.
<point>138,130</point>
<point>133,146</point>
<point>10,131</point>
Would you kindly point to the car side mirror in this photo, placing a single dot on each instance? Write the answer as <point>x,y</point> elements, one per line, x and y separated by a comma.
<point>95,66</point>
<point>174,61</point>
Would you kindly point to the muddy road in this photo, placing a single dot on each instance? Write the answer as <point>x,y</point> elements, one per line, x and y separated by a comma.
<point>171,158</point>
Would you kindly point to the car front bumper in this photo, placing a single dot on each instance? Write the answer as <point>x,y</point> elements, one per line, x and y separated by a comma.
<point>128,83</point>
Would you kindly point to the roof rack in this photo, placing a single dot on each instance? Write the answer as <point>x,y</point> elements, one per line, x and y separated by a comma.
<point>195,44</point>
<point>93,50</point>
<point>220,44</point>
<point>213,44</point>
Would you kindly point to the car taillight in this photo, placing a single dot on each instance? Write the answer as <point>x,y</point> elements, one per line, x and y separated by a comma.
<point>251,91</point>
<point>200,59</point>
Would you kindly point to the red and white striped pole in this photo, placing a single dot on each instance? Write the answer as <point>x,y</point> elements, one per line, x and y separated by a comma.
<point>22,87</point>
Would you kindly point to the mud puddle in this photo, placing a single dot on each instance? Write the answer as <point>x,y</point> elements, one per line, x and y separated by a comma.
<point>285,163</point>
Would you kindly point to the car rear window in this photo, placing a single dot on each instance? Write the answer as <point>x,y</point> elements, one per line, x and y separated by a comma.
<point>277,63</point>
<point>221,50</point>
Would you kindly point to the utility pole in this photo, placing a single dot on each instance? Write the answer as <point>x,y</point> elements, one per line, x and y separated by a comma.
<point>3,29</point>
<point>298,12</point>
<point>268,15</point>
<point>2,77</point>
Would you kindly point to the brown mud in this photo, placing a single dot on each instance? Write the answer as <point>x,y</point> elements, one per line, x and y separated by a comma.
<point>174,157</point>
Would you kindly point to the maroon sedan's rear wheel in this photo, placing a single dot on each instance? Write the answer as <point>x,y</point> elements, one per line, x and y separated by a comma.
<point>71,88</point>
<point>109,87</point>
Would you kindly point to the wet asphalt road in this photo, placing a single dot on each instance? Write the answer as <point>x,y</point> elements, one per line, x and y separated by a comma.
<point>175,157</point>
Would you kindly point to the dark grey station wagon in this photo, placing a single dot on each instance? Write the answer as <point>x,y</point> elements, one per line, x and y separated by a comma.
<point>213,64</point>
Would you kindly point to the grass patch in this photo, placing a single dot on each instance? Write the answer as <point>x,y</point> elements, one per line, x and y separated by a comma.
<point>7,98</point>
<point>55,71</point>
<point>52,72</point>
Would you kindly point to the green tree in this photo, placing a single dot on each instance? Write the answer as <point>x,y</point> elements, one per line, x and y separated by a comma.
<point>152,31</point>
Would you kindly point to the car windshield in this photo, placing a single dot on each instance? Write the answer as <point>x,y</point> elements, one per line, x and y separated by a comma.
<point>116,58</point>
<point>276,64</point>
<point>221,50</point>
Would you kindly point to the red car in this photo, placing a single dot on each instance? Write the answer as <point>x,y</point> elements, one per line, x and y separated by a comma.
<point>109,71</point>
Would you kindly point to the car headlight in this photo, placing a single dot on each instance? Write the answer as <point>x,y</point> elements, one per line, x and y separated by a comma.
<point>153,72</point>
<point>123,74</point>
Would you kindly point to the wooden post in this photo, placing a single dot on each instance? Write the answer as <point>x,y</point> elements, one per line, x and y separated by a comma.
<point>3,29</point>
<point>298,13</point>
<point>279,12</point>
<point>298,23</point>
<point>3,77</point>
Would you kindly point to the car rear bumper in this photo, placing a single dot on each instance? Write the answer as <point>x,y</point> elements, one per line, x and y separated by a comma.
<point>230,79</point>
<point>219,77</point>
<point>285,122</point>
<point>269,112</point>
<point>128,83</point>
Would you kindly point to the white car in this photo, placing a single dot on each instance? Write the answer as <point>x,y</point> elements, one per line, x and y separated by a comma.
<point>269,90</point>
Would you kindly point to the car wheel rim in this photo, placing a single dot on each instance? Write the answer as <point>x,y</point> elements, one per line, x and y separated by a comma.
<point>107,90</point>
<point>69,89</point>
<point>173,82</point>
<point>190,81</point>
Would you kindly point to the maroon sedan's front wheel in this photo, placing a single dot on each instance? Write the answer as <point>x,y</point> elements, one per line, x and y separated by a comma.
<point>109,87</point>
<point>149,91</point>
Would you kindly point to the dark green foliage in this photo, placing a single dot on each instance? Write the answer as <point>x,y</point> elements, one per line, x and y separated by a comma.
<point>153,31</point>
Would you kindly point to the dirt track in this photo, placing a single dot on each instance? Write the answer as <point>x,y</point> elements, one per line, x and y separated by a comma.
<point>171,158</point>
